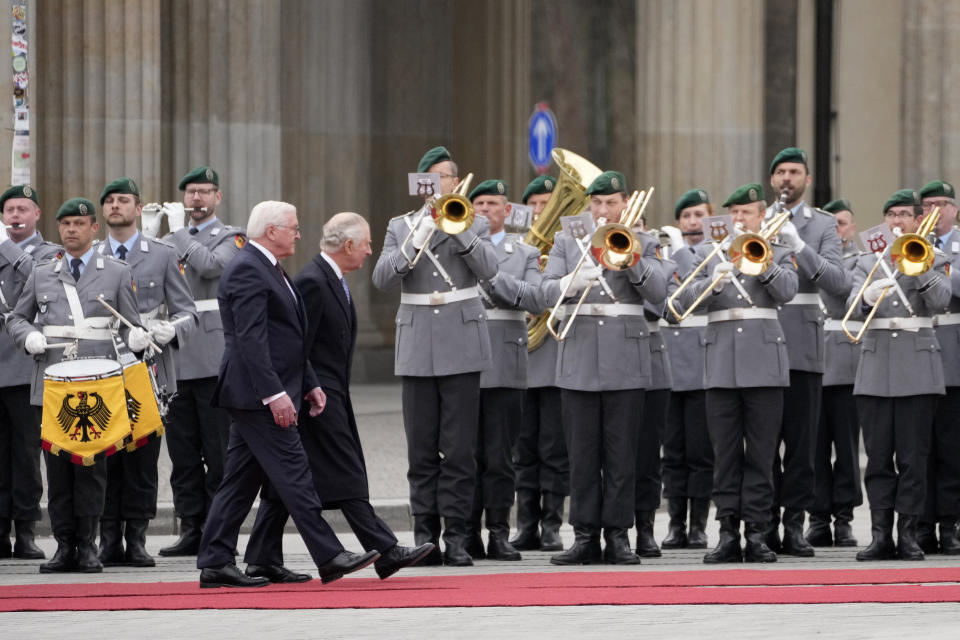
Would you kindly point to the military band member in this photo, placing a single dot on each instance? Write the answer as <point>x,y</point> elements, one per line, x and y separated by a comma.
<point>837,490</point>
<point>745,372</point>
<point>510,294</point>
<point>899,380</point>
<point>943,487</point>
<point>21,247</point>
<point>75,492</point>
<point>442,345</point>
<point>163,298</point>
<point>197,433</point>
<point>603,368</point>
<point>812,236</point>
<point>687,454</point>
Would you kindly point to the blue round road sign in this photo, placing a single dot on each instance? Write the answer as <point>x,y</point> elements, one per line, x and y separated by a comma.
<point>543,137</point>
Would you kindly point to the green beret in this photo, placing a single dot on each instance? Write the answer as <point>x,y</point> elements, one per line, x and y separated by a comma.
<point>540,184</point>
<point>432,157</point>
<point>690,199</point>
<point>489,188</point>
<point>19,191</point>
<point>934,189</point>
<point>903,198</point>
<point>200,175</point>
<point>77,207</point>
<point>838,205</point>
<point>746,194</point>
<point>120,185</point>
<point>790,154</point>
<point>607,183</point>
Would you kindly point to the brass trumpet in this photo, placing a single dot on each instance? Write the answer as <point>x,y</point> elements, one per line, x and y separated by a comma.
<point>452,213</point>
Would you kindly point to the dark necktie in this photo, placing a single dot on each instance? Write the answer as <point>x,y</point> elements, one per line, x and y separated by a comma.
<point>75,268</point>
<point>122,252</point>
<point>194,231</point>
<point>939,243</point>
<point>346,289</point>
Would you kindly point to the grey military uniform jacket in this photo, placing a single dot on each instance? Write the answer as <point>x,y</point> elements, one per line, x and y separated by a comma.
<point>446,338</point>
<point>742,354</point>
<point>606,352</point>
<point>16,263</point>
<point>661,374</point>
<point>162,294</point>
<point>44,299</point>
<point>203,257</point>
<point>899,362</point>
<point>516,287</point>
<point>949,334</point>
<point>841,355</point>
<point>685,344</point>
<point>819,268</point>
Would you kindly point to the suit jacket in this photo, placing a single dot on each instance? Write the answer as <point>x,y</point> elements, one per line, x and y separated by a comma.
<point>949,334</point>
<point>264,329</point>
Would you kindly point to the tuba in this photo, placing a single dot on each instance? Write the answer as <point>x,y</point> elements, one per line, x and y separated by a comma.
<point>452,213</point>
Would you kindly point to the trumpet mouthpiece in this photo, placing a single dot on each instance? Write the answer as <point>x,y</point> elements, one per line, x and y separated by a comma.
<point>18,225</point>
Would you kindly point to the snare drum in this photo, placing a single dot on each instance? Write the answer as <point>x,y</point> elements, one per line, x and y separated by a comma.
<point>142,404</point>
<point>84,409</point>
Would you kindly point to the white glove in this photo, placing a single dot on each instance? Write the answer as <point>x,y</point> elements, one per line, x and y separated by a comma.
<point>872,293</point>
<point>4,236</point>
<point>791,237</point>
<point>579,281</point>
<point>138,339</point>
<point>424,227</point>
<point>36,343</point>
<point>723,271</point>
<point>163,332</point>
<point>176,215</point>
<point>152,217</point>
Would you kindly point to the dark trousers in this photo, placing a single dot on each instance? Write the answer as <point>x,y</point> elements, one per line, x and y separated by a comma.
<point>197,436</point>
<point>20,483</point>
<point>260,450</point>
<point>687,454</point>
<point>541,451</point>
<point>73,491</point>
<point>943,468</point>
<point>440,419</point>
<point>837,462</point>
<point>501,412</point>
<point>132,483</point>
<point>793,476</point>
<point>896,435</point>
<point>743,426</point>
<point>602,427</point>
<point>649,437</point>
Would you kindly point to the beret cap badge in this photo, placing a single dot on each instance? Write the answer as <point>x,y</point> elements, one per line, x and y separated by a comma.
<point>27,191</point>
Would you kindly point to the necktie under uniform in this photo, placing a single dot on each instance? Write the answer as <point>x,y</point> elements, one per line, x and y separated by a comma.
<point>122,252</point>
<point>75,268</point>
<point>194,231</point>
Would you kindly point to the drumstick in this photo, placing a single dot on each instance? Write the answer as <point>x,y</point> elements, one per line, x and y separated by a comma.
<point>128,323</point>
<point>59,345</point>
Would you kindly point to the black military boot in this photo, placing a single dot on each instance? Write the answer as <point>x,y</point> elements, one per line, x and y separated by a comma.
<point>528,520</point>
<point>907,545</point>
<point>646,543</point>
<point>818,533</point>
<point>551,517</point>
<point>473,542</point>
<point>65,557</point>
<point>949,545</point>
<point>6,551</point>
<point>699,511</point>
<point>616,548</point>
<point>585,549</point>
<point>111,543</point>
<point>794,544</point>
<point>25,547</point>
<point>728,548</point>
<point>498,543</point>
<point>455,544</point>
<point>677,527</point>
<point>756,549</point>
<point>135,533</point>
<point>842,531</point>
<point>426,528</point>
<point>926,536</point>
<point>773,532</point>
<point>85,529</point>
<point>188,544</point>
<point>881,547</point>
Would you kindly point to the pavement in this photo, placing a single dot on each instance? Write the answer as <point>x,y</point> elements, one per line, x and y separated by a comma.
<point>381,430</point>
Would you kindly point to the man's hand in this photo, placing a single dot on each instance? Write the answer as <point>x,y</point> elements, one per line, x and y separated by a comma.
<point>176,215</point>
<point>152,217</point>
<point>283,411</point>
<point>138,339</point>
<point>36,343</point>
<point>163,332</point>
<point>318,401</point>
<point>424,228</point>
<point>791,237</point>
<point>875,289</point>
<point>723,272</point>
<point>581,280</point>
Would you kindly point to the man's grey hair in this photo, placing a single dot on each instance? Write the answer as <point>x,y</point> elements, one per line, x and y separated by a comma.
<point>264,214</point>
<point>340,228</point>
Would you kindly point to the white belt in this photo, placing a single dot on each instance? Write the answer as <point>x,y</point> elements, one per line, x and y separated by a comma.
<point>209,304</point>
<point>903,324</point>
<point>602,309</point>
<point>147,316</point>
<point>943,319</point>
<point>90,329</point>
<point>438,298</point>
<point>688,322</point>
<point>750,313</point>
<point>806,298</point>
<point>506,314</point>
<point>836,325</point>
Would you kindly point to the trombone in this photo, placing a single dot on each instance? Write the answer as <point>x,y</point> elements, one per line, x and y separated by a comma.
<point>913,255</point>
<point>614,246</point>
<point>453,214</point>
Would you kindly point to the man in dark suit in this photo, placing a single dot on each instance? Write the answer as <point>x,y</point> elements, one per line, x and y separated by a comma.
<point>264,375</point>
<point>331,439</point>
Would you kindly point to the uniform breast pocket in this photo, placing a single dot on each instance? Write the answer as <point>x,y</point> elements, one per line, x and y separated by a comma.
<point>814,321</point>
<point>515,346</point>
<point>210,321</point>
<point>775,351</point>
<point>46,302</point>
<point>404,338</point>
<point>474,332</point>
<point>149,293</point>
<point>926,344</point>
<point>637,355</point>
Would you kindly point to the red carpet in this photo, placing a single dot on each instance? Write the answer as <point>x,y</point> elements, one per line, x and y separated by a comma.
<point>735,586</point>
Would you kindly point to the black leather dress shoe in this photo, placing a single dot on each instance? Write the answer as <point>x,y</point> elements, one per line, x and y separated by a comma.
<point>399,557</point>
<point>275,573</point>
<point>346,562</point>
<point>228,576</point>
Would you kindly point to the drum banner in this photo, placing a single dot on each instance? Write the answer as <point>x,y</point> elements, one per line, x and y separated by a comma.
<point>84,420</point>
<point>141,405</point>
